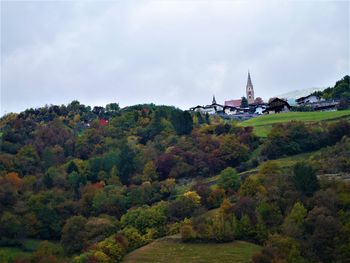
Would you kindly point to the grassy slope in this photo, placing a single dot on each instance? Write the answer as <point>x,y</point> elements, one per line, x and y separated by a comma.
<point>8,254</point>
<point>284,162</point>
<point>172,250</point>
<point>263,124</point>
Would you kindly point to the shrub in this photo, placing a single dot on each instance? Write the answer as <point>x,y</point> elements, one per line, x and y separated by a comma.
<point>135,239</point>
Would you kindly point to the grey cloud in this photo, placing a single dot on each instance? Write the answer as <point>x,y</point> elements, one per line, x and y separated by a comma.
<point>167,52</point>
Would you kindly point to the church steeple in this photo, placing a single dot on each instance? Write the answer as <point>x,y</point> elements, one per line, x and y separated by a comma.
<point>214,100</point>
<point>250,90</point>
<point>249,82</point>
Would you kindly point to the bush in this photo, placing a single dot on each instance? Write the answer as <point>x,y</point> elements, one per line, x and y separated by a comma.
<point>146,217</point>
<point>109,250</point>
<point>112,249</point>
<point>135,239</point>
<point>174,228</point>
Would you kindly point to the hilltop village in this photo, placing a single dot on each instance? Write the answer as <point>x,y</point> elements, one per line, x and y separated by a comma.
<point>249,106</point>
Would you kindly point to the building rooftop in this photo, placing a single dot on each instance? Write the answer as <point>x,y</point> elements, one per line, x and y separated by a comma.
<point>233,103</point>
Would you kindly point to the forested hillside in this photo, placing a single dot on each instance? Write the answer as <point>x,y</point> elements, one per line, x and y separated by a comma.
<point>340,91</point>
<point>91,185</point>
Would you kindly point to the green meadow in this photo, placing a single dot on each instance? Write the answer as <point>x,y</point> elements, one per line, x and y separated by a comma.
<point>9,254</point>
<point>263,124</point>
<point>171,250</point>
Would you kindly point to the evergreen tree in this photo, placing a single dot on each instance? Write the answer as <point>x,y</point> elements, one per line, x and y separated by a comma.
<point>72,167</point>
<point>199,117</point>
<point>182,122</point>
<point>126,163</point>
<point>156,126</point>
<point>207,119</point>
<point>244,102</point>
<point>305,179</point>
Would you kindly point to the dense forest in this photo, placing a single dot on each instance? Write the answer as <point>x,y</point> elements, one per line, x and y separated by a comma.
<point>96,183</point>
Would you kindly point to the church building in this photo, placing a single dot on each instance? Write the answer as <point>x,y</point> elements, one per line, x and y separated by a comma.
<point>249,95</point>
<point>250,90</point>
<point>233,107</point>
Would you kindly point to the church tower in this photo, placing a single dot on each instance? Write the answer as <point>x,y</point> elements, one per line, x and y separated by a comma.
<point>214,100</point>
<point>250,90</point>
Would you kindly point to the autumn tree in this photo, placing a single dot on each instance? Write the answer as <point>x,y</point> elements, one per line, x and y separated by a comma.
<point>10,227</point>
<point>28,159</point>
<point>73,234</point>
<point>187,232</point>
<point>294,222</point>
<point>149,172</point>
<point>48,252</point>
<point>229,179</point>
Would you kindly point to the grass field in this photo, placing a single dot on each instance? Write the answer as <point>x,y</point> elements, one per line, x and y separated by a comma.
<point>8,254</point>
<point>262,125</point>
<point>171,250</point>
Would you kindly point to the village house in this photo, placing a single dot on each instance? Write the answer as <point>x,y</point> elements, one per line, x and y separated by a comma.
<point>230,110</point>
<point>326,105</point>
<point>308,100</point>
<point>317,103</point>
<point>214,108</point>
<point>233,103</point>
<point>277,105</point>
<point>259,109</point>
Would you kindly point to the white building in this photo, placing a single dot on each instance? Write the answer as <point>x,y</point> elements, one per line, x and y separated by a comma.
<point>259,109</point>
<point>214,108</point>
<point>308,100</point>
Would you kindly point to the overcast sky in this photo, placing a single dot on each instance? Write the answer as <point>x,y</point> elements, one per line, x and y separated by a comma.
<point>167,52</point>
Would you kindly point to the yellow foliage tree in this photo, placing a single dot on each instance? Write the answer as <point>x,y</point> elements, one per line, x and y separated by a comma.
<point>193,196</point>
<point>149,172</point>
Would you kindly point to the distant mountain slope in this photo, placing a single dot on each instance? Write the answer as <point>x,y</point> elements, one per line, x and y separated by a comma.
<point>292,95</point>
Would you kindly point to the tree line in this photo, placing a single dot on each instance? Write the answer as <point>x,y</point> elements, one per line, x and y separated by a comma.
<point>102,189</point>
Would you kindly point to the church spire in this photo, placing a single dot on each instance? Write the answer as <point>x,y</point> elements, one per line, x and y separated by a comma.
<point>249,82</point>
<point>214,100</point>
<point>250,90</point>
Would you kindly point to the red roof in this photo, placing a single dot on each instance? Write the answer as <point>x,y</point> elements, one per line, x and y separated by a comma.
<point>233,103</point>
